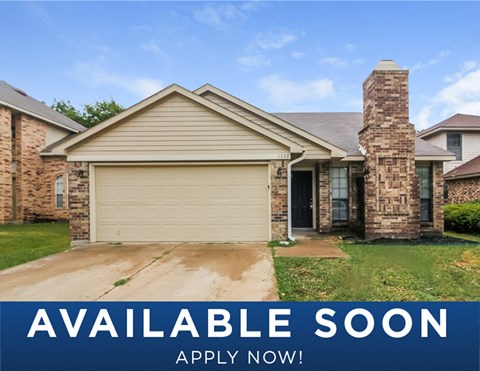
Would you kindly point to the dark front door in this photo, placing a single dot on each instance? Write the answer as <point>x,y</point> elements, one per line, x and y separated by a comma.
<point>302,199</point>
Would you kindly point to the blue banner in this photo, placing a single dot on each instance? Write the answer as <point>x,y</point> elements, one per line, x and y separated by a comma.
<point>242,336</point>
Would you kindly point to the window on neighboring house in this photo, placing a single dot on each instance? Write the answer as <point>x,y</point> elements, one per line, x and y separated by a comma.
<point>339,193</point>
<point>59,192</point>
<point>454,144</point>
<point>424,174</point>
<point>445,191</point>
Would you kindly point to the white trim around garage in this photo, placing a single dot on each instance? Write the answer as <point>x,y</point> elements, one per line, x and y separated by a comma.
<point>92,185</point>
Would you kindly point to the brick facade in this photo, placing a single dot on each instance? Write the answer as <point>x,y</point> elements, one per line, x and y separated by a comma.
<point>79,191</point>
<point>392,208</point>
<point>27,180</point>
<point>279,199</point>
<point>29,138</point>
<point>324,198</point>
<point>463,190</point>
<point>438,199</point>
<point>54,166</point>
<point>5,166</point>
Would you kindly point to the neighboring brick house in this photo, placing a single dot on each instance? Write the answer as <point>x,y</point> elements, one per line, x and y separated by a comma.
<point>464,182</point>
<point>204,165</point>
<point>32,187</point>
<point>459,134</point>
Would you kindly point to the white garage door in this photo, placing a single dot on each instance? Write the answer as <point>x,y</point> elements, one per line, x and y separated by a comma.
<point>182,203</point>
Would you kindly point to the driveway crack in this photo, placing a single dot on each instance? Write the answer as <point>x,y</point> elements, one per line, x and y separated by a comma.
<point>136,273</point>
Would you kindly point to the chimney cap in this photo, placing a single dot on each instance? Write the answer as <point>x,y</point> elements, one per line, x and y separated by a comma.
<point>387,65</point>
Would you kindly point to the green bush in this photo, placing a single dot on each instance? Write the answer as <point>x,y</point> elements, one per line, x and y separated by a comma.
<point>463,217</point>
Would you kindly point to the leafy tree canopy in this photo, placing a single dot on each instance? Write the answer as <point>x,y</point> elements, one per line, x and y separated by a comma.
<point>91,114</point>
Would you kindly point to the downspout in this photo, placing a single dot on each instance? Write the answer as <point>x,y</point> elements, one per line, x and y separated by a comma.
<point>289,175</point>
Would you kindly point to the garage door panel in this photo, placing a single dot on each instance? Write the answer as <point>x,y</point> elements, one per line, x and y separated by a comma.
<point>184,203</point>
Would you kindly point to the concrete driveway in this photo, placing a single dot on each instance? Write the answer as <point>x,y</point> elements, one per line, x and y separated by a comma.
<point>163,272</point>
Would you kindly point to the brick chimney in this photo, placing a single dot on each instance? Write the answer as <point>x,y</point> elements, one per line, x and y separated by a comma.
<point>388,143</point>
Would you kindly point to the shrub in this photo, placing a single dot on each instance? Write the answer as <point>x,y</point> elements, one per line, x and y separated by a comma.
<point>463,217</point>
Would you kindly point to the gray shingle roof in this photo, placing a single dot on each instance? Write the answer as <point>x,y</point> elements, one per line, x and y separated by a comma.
<point>458,121</point>
<point>470,168</point>
<point>341,129</point>
<point>17,99</point>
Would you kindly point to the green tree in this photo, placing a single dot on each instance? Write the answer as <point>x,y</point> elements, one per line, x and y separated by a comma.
<point>91,114</point>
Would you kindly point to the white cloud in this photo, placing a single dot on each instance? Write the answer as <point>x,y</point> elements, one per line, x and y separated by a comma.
<point>276,39</point>
<point>220,15</point>
<point>248,62</point>
<point>340,62</point>
<point>461,96</point>
<point>288,94</point>
<point>151,46</point>
<point>466,67</point>
<point>334,61</point>
<point>255,54</point>
<point>350,47</point>
<point>217,15</point>
<point>94,74</point>
<point>297,55</point>
<point>431,62</point>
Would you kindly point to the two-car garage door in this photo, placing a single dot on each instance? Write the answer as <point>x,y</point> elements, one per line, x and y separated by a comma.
<point>182,203</point>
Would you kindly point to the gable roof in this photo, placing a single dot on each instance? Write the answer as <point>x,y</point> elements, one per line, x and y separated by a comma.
<point>155,98</point>
<point>342,130</point>
<point>18,100</point>
<point>467,170</point>
<point>336,150</point>
<point>458,122</point>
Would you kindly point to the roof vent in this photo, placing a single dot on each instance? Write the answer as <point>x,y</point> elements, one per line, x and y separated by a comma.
<point>20,91</point>
<point>387,65</point>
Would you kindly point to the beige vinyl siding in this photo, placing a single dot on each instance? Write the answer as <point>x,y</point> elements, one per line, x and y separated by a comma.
<point>224,203</point>
<point>439,140</point>
<point>470,147</point>
<point>313,150</point>
<point>177,126</point>
<point>54,134</point>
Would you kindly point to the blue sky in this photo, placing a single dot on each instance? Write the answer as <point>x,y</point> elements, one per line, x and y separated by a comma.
<point>279,56</point>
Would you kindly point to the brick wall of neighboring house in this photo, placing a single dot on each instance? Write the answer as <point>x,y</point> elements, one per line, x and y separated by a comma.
<point>324,198</point>
<point>392,205</point>
<point>463,190</point>
<point>54,167</point>
<point>279,199</point>
<point>5,166</point>
<point>30,138</point>
<point>78,184</point>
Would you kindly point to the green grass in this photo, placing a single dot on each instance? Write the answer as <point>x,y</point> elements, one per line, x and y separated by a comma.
<point>384,273</point>
<point>121,282</point>
<point>26,242</point>
<point>276,243</point>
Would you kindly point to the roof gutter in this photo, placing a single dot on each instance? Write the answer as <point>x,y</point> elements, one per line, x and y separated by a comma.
<point>459,177</point>
<point>289,176</point>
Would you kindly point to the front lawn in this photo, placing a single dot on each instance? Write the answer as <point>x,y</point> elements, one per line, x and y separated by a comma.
<point>378,272</point>
<point>25,242</point>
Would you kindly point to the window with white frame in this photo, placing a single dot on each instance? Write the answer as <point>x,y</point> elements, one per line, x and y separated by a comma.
<point>59,192</point>
<point>339,194</point>
<point>454,144</point>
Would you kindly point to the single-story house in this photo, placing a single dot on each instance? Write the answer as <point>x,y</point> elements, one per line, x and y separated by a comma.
<point>204,165</point>
<point>463,182</point>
